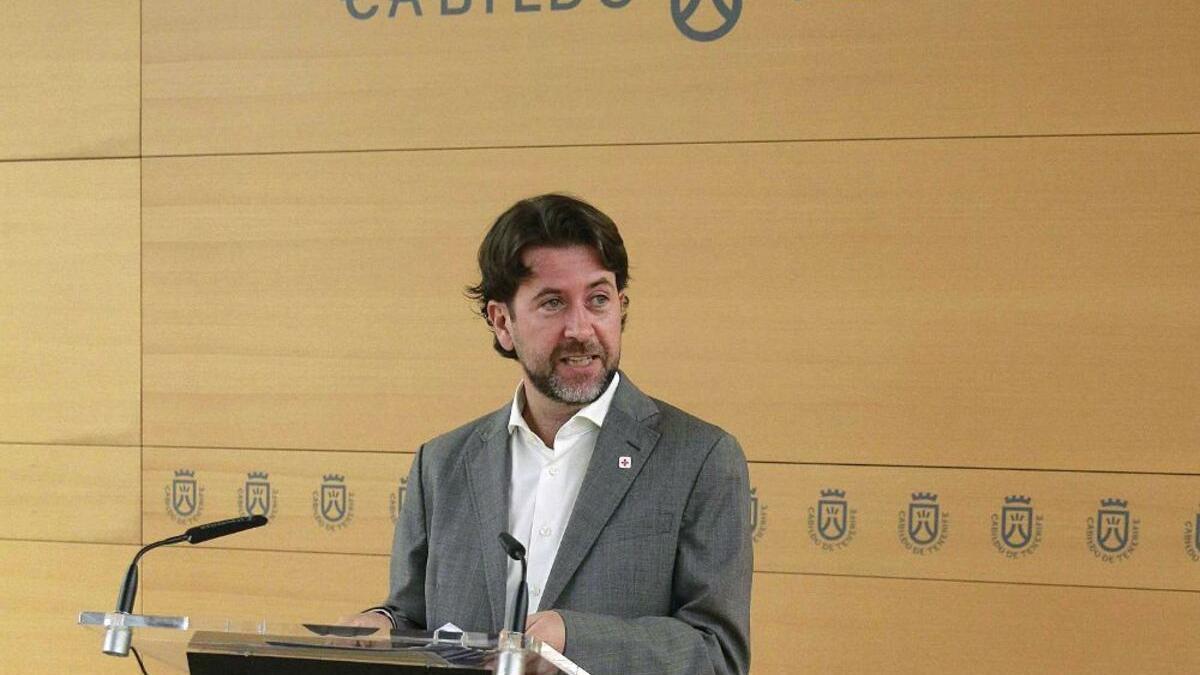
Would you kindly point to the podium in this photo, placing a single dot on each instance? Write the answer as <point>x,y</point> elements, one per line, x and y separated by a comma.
<point>175,645</point>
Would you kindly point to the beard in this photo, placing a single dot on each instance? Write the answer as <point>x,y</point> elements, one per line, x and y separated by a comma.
<point>546,379</point>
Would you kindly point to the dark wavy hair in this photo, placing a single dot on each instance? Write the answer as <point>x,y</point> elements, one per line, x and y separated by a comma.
<point>547,220</point>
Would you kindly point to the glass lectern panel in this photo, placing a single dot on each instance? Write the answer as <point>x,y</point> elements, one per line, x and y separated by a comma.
<point>206,646</point>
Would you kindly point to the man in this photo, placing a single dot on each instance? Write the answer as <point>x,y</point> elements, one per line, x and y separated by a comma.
<point>634,514</point>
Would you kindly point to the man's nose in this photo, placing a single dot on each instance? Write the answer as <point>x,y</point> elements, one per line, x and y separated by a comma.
<point>579,324</point>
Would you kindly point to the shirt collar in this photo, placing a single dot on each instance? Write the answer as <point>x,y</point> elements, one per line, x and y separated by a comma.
<point>595,412</point>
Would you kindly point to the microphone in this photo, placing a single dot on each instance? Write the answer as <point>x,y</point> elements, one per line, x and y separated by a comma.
<point>202,533</point>
<point>516,551</point>
<point>116,640</point>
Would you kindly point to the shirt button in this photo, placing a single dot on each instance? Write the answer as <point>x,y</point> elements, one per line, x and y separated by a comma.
<point>553,470</point>
<point>536,590</point>
<point>545,531</point>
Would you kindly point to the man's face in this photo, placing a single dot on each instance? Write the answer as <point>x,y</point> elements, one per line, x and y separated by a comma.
<point>564,323</point>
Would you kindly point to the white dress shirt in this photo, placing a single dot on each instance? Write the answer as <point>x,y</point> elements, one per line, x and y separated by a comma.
<point>545,482</point>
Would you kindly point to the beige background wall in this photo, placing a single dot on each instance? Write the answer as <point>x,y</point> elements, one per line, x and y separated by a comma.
<point>895,247</point>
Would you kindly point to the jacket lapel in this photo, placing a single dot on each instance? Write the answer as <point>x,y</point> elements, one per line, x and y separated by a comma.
<point>625,433</point>
<point>488,476</point>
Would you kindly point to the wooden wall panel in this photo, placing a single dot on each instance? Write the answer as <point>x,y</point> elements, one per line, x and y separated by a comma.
<point>1162,512</point>
<point>996,303</point>
<point>222,78</point>
<point>286,487</point>
<point>806,624</point>
<point>70,79</point>
<point>214,583</point>
<point>800,624</point>
<point>69,298</point>
<point>42,591</point>
<point>71,493</point>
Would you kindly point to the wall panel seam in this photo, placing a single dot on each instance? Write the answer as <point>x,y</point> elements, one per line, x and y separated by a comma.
<point>990,582</point>
<point>29,160</point>
<point>779,141</point>
<point>937,467</point>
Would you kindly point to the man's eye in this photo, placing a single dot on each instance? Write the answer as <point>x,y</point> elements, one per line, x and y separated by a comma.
<point>552,303</point>
<point>600,300</point>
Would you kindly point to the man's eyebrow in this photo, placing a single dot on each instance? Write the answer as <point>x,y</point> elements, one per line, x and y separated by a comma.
<point>546,291</point>
<point>550,290</point>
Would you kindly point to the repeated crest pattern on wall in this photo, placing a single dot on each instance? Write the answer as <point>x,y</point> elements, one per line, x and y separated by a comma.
<point>935,267</point>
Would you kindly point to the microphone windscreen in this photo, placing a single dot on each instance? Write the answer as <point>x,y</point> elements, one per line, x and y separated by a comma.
<point>512,547</point>
<point>201,533</point>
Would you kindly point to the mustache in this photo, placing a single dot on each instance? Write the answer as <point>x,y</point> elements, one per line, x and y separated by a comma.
<point>577,348</point>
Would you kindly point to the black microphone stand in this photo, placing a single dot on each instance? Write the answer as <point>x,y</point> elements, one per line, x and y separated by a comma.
<point>512,653</point>
<point>118,631</point>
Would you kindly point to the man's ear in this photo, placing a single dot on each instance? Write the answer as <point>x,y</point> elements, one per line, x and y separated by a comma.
<point>499,317</point>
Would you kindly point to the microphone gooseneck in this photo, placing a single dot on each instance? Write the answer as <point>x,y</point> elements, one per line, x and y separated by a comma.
<point>194,535</point>
<point>516,551</point>
<point>129,586</point>
<point>117,639</point>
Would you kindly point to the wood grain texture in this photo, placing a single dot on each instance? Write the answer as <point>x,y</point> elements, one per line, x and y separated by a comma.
<point>71,493</point>
<point>69,303</point>
<point>800,623</point>
<point>231,77</point>
<point>793,537</point>
<point>999,303</point>
<point>231,482</point>
<point>295,587</point>
<point>43,589</point>
<point>803,624</point>
<point>70,79</point>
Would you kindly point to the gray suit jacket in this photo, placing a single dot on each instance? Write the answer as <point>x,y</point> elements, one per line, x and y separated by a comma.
<point>653,572</point>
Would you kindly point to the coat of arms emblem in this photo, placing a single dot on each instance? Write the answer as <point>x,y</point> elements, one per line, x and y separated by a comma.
<point>832,523</point>
<point>333,503</point>
<point>1112,530</point>
<point>1017,530</point>
<point>1016,522</point>
<point>396,501</point>
<point>1191,539</point>
<point>831,515</point>
<point>184,497</point>
<point>758,516</point>
<point>257,497</point>
<point>924,526</point>
<point>1113,534</point>
<point>924,518</point>
<point>183,493</point>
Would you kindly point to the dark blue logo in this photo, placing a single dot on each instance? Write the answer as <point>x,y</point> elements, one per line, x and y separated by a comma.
<point>1113,533</point>
<point>832,523</point>
<point>924,519</point>
<point>693,24</point>
<point>1016,522</point>
<point>753,509</point>
<point>758,516</point>
<point>333,499</point>
<point>184,497</point>
<point>831,515</point>
<point>683,11</point>
<point>924,527</point>
<point>1191,539</point>
<point>396,501</point>
<point>1016,530</point>
<point>183,493</point>
<point>256,498</point>
<point>333,504</point>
